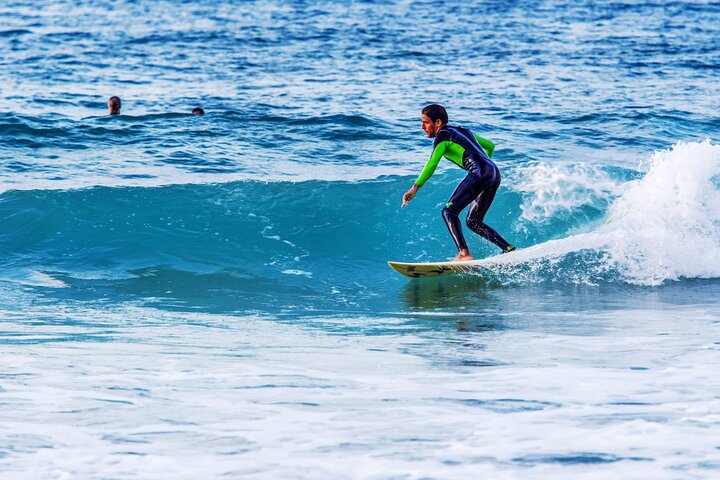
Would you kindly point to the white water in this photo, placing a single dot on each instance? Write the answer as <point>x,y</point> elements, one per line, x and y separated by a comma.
<point>663,227</point>
<point>147,394</point>
<point>552,190</point>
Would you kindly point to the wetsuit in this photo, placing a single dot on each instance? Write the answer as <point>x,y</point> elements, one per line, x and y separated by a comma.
<point>472,153</point>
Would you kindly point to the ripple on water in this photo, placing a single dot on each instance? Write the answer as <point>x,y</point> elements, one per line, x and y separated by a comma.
<point>504,405</point>
<point>586,458</point>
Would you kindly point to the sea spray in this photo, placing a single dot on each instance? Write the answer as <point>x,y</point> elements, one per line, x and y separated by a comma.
<point>662,227</point>
<point>667,225</point>
<point>550,191</point>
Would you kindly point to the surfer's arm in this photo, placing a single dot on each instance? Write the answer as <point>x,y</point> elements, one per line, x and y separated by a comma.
<point>427,172</point>
<point>431,164</point>
<point>438,151</point>
<point>486,144</point>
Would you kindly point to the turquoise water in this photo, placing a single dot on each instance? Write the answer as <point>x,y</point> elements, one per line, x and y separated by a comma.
<point>202,296</point>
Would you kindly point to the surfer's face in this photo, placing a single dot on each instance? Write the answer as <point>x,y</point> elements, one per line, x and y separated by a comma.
<point>429,127</point>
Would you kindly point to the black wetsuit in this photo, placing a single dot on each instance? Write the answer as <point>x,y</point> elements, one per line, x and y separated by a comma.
<point>472,153</point>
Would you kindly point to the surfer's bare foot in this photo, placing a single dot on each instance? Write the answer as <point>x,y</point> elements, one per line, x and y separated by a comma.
<point>463,256</point>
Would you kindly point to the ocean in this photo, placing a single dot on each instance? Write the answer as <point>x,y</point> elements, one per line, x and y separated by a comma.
<point>207,296</point>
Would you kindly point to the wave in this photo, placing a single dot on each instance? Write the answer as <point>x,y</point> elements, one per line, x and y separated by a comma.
<point>662,227</point>
<point>577,224</point>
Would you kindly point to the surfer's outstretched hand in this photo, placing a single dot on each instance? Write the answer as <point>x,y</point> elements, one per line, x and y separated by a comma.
<point>409,195</point>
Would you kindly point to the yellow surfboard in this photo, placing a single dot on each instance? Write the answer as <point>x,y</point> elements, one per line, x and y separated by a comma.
<point>435,269</point>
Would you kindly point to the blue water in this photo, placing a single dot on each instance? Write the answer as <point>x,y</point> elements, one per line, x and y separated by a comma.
<point>191,296</point>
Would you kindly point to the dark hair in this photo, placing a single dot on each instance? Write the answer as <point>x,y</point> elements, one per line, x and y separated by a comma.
<point>436,112</point>
<point>114,103</point>
<point>198,111</point>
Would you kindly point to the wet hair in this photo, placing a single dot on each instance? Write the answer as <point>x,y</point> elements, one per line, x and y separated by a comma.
<point>436,112</point>
<point>198,111</point>
<point>114,105</point>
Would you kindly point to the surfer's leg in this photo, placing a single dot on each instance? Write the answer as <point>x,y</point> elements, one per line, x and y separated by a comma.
<point>464,193</point>
<point>477,212</point>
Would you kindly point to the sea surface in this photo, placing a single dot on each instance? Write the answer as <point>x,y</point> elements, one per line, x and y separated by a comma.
<point>200,297</point>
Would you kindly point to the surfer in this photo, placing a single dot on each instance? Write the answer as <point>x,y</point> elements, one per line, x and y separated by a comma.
<point>472,153</point>
<point>114,105</point>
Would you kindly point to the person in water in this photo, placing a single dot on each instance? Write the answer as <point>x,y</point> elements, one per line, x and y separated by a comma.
<point>114,105</point>
<point>472,153</point>
<point>198,111</point>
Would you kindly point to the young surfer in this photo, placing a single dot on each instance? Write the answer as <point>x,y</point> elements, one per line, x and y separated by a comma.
<point>472,153</point>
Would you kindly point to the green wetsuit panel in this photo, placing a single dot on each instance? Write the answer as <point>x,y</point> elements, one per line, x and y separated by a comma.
<point>486,144</point>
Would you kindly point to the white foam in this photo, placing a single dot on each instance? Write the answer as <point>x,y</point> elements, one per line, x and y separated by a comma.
<point>120,175</point>
<point>136,392</point>
<point>667,225</point>
<point>30,277</point>
<point>662,227</point>
<point>298,272</point>
<point>552,190</point>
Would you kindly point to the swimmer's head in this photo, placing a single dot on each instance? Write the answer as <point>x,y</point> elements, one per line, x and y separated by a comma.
<point>434,116</point>
<point>114,105</point>
<point>198,111</point>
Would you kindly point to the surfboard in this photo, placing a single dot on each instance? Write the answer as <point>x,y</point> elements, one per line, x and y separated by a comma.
<point>435,269</point>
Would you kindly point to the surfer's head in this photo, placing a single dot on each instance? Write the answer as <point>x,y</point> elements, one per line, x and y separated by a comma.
<point>434,116</point>
<point>198,111</point>
<point>114,105</point>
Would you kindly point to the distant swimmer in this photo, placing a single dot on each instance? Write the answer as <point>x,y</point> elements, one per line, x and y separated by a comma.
<point>114,105</point>
<point>472,153</point>
<point>198,111</point>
